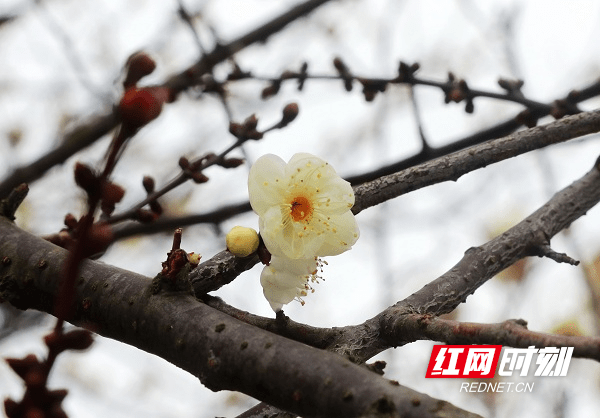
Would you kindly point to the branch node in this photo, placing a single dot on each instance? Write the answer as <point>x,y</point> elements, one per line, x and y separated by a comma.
<point>9,206</point>
<point>545,251</point>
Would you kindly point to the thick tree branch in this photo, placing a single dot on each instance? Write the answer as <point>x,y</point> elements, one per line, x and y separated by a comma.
<point>395,326</point>
<point>482,263</point>
<point>453,166</point>
<point>126,295</point>
<point>221,351</point>
<point>220,270</point>
<point>314,336</point>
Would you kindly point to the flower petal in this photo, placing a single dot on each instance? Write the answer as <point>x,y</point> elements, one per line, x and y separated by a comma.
<point>284,280</point>
<point>336,195</point>
<point>272,231</point>
<point>265,183</point>
<point>344,233</point>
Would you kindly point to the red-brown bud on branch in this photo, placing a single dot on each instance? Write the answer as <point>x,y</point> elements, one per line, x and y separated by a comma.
<point>156,208</point>
<point>145,216</point>
<point>111,195</point>
<point>184,163</point>
<point>236,129</point>
<point>303,76</point>
<point>87,179</point>
<point>527,118</point>
<point>70,221</point>
<point>406,72</point>
<point>251,122</point>
<point>139,64</point>
<point>22,366</point>
<point>57,396</point>
<point>140,106</point>
<point>148,183</point>
<point>78,339</point>
<point>231,162</point>
<point>344,72</point>
<point>100,238</point>
<point>511,86</point>
<point>198,178</point>
<point>12,408</point>
<point>290,112</point>
<point>372,87</point>
<point>271,90</point>
<point>238,74</point>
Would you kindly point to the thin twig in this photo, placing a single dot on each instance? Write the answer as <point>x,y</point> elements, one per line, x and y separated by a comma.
<point>86,134</point>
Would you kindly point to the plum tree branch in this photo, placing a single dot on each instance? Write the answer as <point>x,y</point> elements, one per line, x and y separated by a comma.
<point>87,133</point>
<point>453,166</point>
<point>222,352</point>
<point>480,264</point>
<point>513,333</point>
<point>397,326</point>
<point>496,131</point>
<point>441,169</point>
<point>118,305</point>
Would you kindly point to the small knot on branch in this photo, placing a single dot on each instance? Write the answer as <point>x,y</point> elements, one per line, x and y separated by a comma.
<point>563,107</point>
<point>512,87</point>
<point>457,90</point>
<point>527,118</point>
<point>406,73</point>
<point>9,206</point>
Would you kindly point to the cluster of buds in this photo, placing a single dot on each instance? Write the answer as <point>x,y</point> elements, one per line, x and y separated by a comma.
<point>139,106</point>
<point>97,187</point>
<point>38,400</point>
<point>193,169</point>
<point>144,215</point>
<point>100,236</point>
<point>512,87</point>
<point>456,91</point>
<point>372,86</point>
<point>275,85</point>
<point>301,75</point>
<point>246,130</point>
<point>406,72</point>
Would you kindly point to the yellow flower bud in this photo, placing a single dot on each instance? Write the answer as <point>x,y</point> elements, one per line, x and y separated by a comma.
<point>242,241</point>
<point>194,259</point>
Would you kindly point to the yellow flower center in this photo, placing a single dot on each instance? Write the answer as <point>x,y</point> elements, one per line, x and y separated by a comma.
<point>301,209</point>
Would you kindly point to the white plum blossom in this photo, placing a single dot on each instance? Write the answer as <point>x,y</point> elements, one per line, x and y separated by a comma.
<point>303,206</point>
<point>284,280</point>
<point>304,211</point>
